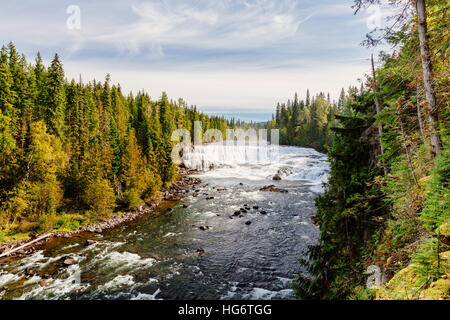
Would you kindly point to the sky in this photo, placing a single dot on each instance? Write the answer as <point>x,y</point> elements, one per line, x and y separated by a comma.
<point>226,56</point>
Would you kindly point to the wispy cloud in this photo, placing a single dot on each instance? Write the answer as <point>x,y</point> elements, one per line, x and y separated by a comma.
<point>241,53</point>
<point>208,25</point>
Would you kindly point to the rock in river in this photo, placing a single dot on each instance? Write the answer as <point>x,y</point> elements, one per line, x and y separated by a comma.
<point>89,242</point>
<point>272,188</point>
<point>68,261</point>
<point>43,283</point>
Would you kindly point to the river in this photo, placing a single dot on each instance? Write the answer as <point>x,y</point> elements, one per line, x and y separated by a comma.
<point>249,257</point>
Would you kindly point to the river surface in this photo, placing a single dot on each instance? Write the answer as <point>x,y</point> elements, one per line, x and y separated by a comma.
<point>157,258</point>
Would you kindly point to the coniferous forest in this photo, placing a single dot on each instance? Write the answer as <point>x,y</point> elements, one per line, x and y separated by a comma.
<point>309,122</point>
<point>75,147</point>
<point>362,186</point>
<point>387,199</point>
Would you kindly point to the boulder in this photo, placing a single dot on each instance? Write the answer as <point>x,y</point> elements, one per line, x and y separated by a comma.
<point>34,235</point>
<point>89,243</point>
<point>272,188</point>
<point>67,261</point>
<point>282,172</point>
<point>29,272</point>
<point>43,283</point>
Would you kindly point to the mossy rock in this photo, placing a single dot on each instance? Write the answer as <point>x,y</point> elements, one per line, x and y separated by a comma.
<point>438,290</point>
<point>408,285</point>
<point>401,287</point>
<point>444,229</point>
<point>445,262</point>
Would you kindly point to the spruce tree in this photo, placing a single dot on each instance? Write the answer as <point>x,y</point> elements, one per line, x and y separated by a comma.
<point>55,109</point>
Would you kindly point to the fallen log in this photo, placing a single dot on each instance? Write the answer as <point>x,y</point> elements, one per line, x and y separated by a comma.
<point>4,254</point>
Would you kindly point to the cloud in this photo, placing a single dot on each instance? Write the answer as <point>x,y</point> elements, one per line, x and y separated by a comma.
<point>241,54</point>
<point>208,25</point>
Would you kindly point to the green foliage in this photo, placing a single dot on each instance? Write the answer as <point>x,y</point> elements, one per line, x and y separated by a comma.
<point>437,204</point>
<point>74,147</point>
<point>70,222</point>
<point>308,123</point>
<point>133,199</point>
<point>344,213</point>
<point>426,260</point>
<point>99,196</point>
<point>362,293</point>
<point>387,201</point>
<point>62,222</point>
<point>47,222</point>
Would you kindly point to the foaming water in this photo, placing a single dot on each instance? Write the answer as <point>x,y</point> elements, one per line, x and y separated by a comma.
<point>258,162</point>
<point>170,257</point>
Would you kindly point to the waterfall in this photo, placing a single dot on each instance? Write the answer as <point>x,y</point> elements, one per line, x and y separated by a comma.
<point>257,161</point>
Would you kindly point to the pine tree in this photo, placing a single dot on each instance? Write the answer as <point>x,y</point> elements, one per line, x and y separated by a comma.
<point>55,109</point>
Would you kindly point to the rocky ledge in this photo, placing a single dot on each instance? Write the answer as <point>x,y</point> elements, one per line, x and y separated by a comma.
<point>272,188</point>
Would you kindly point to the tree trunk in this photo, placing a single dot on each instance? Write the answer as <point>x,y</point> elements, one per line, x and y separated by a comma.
<point>427,71</point>
<point>419,115</point>
<point>378,109</point>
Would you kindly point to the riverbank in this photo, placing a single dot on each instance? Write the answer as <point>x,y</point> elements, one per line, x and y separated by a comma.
<point>225,239</point>
<point>24,247</point>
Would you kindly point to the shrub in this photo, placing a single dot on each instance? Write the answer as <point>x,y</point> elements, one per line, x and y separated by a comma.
<point>78,220</point>
<point>27,226</point>
<point>99,196</point>
<point>426,261</point>
<point>91,216</point>
<point>47,222</point>
<point>133,199</point>
<point>62,222</point>
<point>437,204</point>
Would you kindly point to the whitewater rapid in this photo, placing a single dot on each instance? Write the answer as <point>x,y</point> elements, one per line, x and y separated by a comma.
<point>258,162</point>
<point>252,255</point>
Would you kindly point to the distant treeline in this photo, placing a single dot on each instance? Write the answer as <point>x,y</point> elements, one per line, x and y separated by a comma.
<point>308,123</point>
